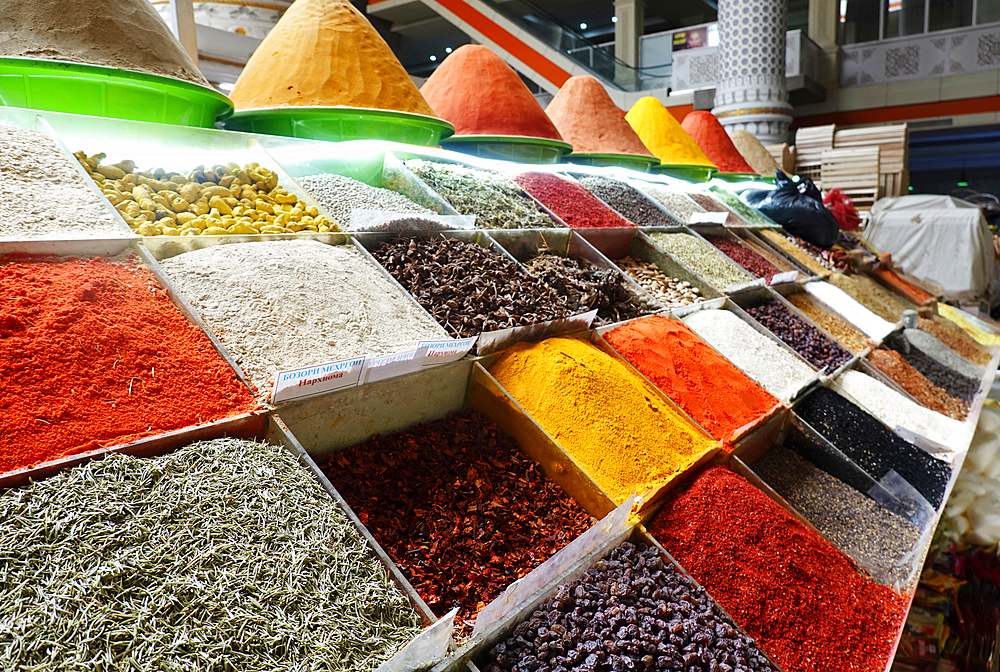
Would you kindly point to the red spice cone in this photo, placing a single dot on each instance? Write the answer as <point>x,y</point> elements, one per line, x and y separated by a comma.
<point>587,118</point>
<point>481,95</point>
<point>706,130</point>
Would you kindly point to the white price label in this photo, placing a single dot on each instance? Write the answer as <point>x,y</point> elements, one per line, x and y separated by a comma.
<point>787,276</point>
<point>310,380</point>
<point>708,218</point>
<point>443,352</point>
<point>389,366</point>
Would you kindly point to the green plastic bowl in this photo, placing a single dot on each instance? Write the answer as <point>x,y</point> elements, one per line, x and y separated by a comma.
<point>687,172</point>
<point>336,124</point>
<point>58,86</point>
<point>516,148</point>
<point>737,177</point>
<point>631,161</point>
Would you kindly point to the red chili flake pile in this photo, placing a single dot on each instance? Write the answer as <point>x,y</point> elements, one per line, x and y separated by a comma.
<point>92,354</point>
<point>797,595</point>
<point>457,507</point>
<point>573,204</point>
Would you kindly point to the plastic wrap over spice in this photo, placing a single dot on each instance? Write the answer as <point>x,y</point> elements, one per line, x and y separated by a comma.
<point>871,445</point>
<point>95,354</point>
<point>457,507</point>
<point>210,558</point>
<point>633,610</point>
<point>798,596</point>
<point>469,289</point>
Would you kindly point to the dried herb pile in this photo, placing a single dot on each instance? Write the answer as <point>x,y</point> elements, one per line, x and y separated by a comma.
<point>458,507</point>
<point>224,555</point>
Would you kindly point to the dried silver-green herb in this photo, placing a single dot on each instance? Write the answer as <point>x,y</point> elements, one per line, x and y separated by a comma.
<point>225,555</point>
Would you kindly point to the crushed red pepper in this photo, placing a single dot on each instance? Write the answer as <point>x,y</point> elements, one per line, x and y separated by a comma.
<point>457,507</point>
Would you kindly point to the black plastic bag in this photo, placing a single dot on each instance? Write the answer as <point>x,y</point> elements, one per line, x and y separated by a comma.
<point>798,207</point>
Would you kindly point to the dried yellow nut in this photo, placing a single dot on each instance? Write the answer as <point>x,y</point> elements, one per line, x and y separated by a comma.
<point>214,231</point>
<point>216,203</point>
<point>271,228</point>
<point>243,229</point>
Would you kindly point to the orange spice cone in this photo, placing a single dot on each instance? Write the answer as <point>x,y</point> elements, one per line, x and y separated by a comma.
<point>588,119</point>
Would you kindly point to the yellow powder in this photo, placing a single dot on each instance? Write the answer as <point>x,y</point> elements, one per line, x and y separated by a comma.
<point>614,424</point>
<point>663,135</point>
<point>962,320</point>
<point>324,52</point>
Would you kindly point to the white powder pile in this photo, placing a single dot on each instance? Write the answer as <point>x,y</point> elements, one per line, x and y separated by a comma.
<point>43,196</point>
<point>895,410</point>
<point>852,311</point>
<point>777,370</point>
<point>280,305</point>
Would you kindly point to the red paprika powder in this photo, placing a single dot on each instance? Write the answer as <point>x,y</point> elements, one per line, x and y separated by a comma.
<point>719,396</point>
<point>575,205</point>
<point>706,130</point>
<point>797,595</point>
<point>93,353</point>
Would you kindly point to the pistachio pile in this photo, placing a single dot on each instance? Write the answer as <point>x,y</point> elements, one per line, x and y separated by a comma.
<point>221,200</point>
<point>671,291</point>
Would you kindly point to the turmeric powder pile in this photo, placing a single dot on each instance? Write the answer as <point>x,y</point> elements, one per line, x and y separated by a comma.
<point>326,53</point>
<point>664,136</point>
<point>614,424</point>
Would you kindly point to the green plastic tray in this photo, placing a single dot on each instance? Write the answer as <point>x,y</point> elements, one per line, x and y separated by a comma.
<point>631,161</point>
<point>687,172</point>
<point>509,147</point>
<point>336,124</point>
<point>58,86</point>
<point>737,177</point>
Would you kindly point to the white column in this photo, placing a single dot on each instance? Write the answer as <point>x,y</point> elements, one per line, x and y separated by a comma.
<point>824,20</point>
<point>752,94</point>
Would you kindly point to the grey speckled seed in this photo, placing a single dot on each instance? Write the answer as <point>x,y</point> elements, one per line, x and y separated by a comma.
<point>676,202</point>
<point>938,351</point>
<point>341,195</point>
<point>872,536</point>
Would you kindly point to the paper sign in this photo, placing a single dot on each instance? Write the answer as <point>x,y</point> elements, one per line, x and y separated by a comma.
<point>787,276</point>
<point>317,379</point>
<point>381,367</point>
<point>708,218</point>
<point>442,352</point>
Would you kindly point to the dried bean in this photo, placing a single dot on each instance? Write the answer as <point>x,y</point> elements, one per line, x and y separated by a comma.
<point>804,338</point>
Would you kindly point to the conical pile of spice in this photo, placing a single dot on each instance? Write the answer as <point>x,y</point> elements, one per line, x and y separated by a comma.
<point>755,153</point>
<point>124,34</point>
<point>664,136</point>
<point>326,53</point>
<point>706,130</point>
<point>588,119</point>
<point>481,95</point>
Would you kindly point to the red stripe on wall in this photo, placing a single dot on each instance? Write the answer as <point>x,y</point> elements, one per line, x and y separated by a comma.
<point>945,108</point>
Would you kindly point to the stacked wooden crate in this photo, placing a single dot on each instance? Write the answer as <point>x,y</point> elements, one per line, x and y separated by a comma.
<point>810,143</point>
<point>893,142</point>
<point>855,171</point>
<point>784,156</point>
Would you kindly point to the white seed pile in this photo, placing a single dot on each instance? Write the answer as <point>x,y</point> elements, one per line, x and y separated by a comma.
<point>852,311</point>
<point>676,202</point>
<point>280,305</point>
<point>775,369</point>
<point>43,195</point>
<point>341,195</point>
<point>224,555</point>
<point>671,292</point>
<point>894,410</point>
<point>703,259</point>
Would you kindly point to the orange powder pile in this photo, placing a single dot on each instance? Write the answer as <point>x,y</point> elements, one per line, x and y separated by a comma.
<point>588,119</point>
<point>325,53</point>
<point>481,95</point>
<point>663,135</point>
<point>719,396</point>
<point>706,130</point>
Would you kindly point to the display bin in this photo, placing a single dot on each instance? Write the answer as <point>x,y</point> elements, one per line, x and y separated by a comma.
<point>752,241</point>
<point>727,303</point>
<point>780,263</point>
<point>560,171</point>
<point>757,236</point>
<point>506,169</point>
<point>748,296</point>
<point>788,290</point>
<point>525,244</point>
<point>567,566</point>
<point>237,425</point>
<point>173,148</point>
<point>496,340</point>
<point>686,230</point>
<point>618,175</point>
<point>370,162</point>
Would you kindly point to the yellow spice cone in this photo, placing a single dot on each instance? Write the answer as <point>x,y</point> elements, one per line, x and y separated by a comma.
<point>325,52</point>
<point>664,135</point>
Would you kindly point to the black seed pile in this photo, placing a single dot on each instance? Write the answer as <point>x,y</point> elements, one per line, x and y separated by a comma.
<point>469,289</point>
<point>950,380</point>
<point>627,201</point>
<point>589,287</point>
<point>871,445</point>
<point>630,611</point>
<point>804,338</point>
